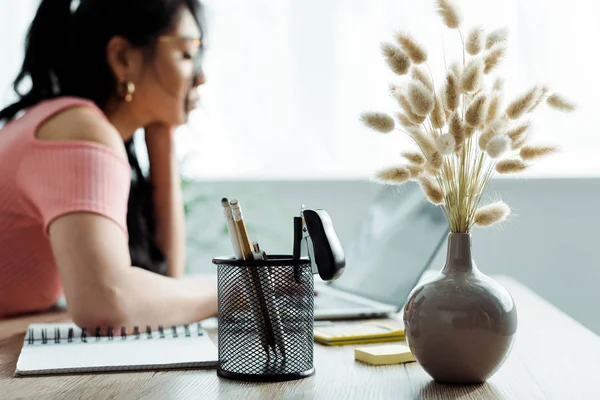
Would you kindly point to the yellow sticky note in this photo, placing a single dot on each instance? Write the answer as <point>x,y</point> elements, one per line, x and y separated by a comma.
<point>384,355</point>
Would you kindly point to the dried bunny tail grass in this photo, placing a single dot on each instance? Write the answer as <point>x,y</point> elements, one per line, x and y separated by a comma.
<point>558,102</point>
<point>404,120</point>
<point>511,166</point>
<point>414,157</point>
<point>456,129</point>
<point>499,83</point>
<point>469,131</point>
<point>492,214</point>
<point>497,146</point>
<point>449,12</point>
<point>476,112</point>
<point>528,153</point>
<point>496,36</point>
<point>424,141</point>
<point>378,121</point>
<point>518,144</point>
<point>420,98</point>
<point>431,189</point>
<point>522,103</point>
<point>406,107</point>
<point>417,72</point>
<point>415,51</point>
<point>457,69</point>
<point>388,49</point>
<point>436,160</point>
<point>430,170</point>
<point>398,62</point>
<point>496,128</point>
<point>445,144</point>
<point>494,107</point>
<point>519,132</point>
<point>472,79</point>
<point>438,115</point>
<point>540,99</point>
<point>474,43</point>
<point>393,175</point>
<point>415,170</point>
<point>451,93</point>
<point>493,57</point>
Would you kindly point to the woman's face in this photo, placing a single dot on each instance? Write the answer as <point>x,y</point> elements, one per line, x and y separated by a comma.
<point>166,87</point>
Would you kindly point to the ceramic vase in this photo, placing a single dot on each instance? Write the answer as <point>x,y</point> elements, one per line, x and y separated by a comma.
<point>460,324</point>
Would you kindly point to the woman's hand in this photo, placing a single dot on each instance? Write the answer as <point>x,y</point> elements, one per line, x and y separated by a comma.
<point>167,196</point>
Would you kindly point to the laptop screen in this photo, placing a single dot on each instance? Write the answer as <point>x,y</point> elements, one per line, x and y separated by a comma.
<point>396,241</point>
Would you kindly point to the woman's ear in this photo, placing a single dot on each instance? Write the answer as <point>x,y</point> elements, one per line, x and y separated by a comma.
<point>124,60</point>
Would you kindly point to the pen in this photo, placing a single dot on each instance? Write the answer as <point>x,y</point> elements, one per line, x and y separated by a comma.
<point>259,304</point>
<point>240,228</point>
<point>231,228</point>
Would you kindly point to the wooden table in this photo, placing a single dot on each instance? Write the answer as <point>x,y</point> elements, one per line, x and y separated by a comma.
<point>554,357</point>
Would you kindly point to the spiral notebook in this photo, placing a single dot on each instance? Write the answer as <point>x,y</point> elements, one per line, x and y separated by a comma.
<point>64,348</point>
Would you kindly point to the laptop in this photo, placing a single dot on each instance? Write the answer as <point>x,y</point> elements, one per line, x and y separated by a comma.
<point>397,239</point>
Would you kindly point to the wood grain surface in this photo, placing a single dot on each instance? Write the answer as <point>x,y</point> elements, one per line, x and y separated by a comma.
<point>554,357</point>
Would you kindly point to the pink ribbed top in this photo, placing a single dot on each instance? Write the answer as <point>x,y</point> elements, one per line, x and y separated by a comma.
<point>41,180</point>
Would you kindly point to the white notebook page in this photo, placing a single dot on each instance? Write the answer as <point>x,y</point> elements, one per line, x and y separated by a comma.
<point>134,352</point>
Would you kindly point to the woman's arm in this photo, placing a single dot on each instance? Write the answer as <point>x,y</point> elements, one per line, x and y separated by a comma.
<point>103,290</point>
<point>168,202</point>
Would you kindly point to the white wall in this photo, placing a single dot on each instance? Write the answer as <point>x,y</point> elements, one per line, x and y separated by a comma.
<point>550,244</point>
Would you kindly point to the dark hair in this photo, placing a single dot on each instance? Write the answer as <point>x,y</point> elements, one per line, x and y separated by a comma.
<point>65,55</point>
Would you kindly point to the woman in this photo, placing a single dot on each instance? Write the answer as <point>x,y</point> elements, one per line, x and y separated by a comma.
<point>76,213</point>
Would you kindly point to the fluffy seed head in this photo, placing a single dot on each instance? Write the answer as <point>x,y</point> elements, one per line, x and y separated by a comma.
<point>436,160</point>
<point>455,128</point>
<point>445,144</point>
<point>493,57</point>
<point>519,132</point>
<point>494,107</point>
<point>398,62</point>
<point>438,115</point>
<point>393,176</point>
<point>456,68</point>
<point>423,140</point>
<point>472,77</point>
<point>431,189</point>
<point>496,128</point>
<point>378,121</point>
<point>476,112</point>
<point>496,36</point>
<point>533,152</point>
<point>419,74</point>
<point>404,120</point>
<point>522,103</point>
<point>420,98</point>
<point>497,146</point>
<point>451,93</point>
<point>558,102</point>
<point>406,107</point>
<point>415,170</point>
<point>492,214</point>
<point>541,95</point>
<point>414,157</point>
<point>449,13</point>
<point>474,43</point>
<point>415,51</point>
<point>510,166</point>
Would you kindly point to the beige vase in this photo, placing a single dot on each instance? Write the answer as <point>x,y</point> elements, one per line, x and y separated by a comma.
<point>460,324</point>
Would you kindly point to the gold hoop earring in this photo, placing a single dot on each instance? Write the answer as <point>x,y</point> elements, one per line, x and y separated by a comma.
<point>129,91</point>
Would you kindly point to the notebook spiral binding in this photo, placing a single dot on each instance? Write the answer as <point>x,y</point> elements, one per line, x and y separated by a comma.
<point>41,336</point>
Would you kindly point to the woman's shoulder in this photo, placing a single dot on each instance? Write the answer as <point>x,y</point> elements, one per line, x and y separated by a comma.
<point>77,121</point>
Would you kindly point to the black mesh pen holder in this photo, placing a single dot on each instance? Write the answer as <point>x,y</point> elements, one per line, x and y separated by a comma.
<point>266,313</point>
